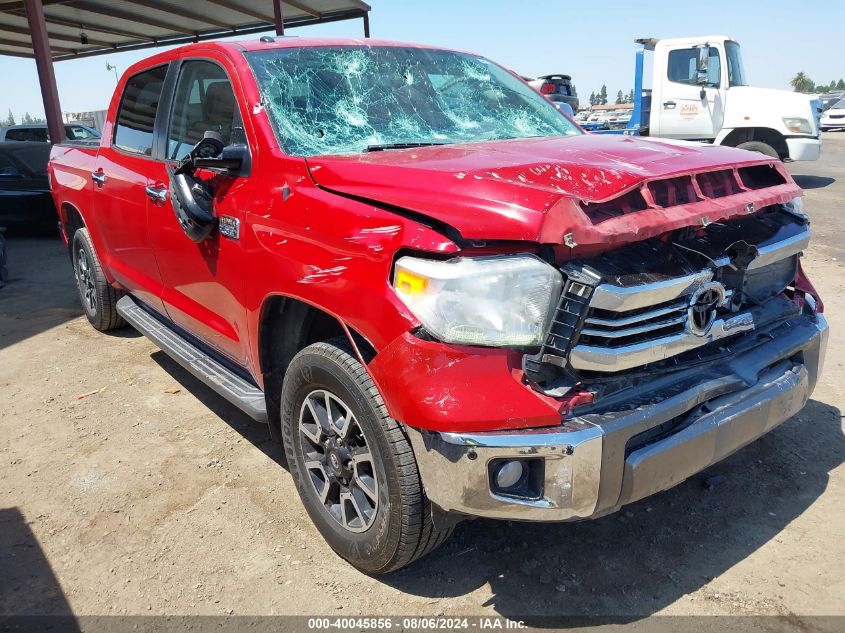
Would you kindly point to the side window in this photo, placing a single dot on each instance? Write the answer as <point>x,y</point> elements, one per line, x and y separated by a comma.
<point>204,102</point>
<point>136,116</point>
<point>76,133</point>
<point>683,64</point>
<point>27,134</point>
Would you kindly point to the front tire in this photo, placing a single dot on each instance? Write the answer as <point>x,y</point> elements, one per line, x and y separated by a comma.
<point>759,146</point>
<point>98,297</point>
<point>352,463</point>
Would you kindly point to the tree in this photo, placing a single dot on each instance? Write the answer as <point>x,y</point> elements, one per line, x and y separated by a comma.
<point>603,95</point>
<point>620,98</point>
<point>573,91</point>
<point>10,120</point>
<point>593,99</point>
<point>630,97</point>
<point>802,83</point>
<point>27,118</point>
<point>840,85</point>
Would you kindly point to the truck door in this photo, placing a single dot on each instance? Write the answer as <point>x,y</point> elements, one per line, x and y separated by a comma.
<point>684,108</point>
<point>202,282</point>
<point>119,182</point>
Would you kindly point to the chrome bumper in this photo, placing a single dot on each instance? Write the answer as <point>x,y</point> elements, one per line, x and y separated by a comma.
<point>590,467</point>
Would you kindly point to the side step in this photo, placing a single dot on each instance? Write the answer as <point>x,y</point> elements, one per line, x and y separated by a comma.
<point>242,394</point>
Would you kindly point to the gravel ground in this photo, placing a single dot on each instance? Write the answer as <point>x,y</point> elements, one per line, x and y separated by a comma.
<point>151,495</point>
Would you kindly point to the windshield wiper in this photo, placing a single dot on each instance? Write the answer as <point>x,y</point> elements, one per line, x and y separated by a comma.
<point>383,146</point>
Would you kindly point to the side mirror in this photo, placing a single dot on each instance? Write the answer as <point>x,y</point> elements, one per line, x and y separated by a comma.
<point>233,160</point>
<point>703,65</point>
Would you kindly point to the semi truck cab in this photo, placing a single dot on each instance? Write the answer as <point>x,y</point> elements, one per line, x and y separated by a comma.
<point>699,92</point>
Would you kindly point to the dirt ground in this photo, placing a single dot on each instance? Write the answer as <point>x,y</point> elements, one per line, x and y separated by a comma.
<point>141,501</point>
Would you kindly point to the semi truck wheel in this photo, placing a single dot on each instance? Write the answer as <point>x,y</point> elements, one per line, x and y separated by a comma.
<point>759,146</point>
<point>353,466</point>
<point>98,298</point>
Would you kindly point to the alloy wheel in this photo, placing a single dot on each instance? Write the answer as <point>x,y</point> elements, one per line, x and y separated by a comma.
<point>85,279</point>
<point>338,461</point>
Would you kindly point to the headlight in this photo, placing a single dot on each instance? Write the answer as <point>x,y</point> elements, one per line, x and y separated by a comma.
<point>798,125</point>
<point>796,206</point>
<point>501,301</point>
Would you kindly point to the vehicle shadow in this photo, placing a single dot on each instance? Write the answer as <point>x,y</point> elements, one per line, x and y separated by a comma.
<point>636,562</point>
<point>813,182</point>
<point>30,593</point>
<point>40,292</point>
<point>254,432</point>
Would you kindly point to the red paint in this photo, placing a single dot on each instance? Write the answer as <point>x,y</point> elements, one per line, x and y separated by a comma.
<point>337,253</point>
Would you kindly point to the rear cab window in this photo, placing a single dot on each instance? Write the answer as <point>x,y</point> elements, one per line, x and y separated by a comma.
<point>133,131</point>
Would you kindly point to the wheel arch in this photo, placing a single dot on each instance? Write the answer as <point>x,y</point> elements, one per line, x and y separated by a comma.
<point>72,221</point>
<point>287,325</point>
<point>766,135</point>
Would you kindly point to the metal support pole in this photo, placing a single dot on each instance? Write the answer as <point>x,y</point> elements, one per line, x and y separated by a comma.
<point>366,24</point>
<point>46,75</point>
<point>278,17</point>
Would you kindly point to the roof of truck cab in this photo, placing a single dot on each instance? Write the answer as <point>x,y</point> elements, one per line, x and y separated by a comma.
<point>707,38</point>
<point>239,47</point>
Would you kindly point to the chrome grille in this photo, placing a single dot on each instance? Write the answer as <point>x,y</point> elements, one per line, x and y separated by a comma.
<point>612,327</point>
<point>623,327</point>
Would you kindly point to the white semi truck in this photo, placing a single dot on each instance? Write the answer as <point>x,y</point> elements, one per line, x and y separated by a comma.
<point>699,92</point>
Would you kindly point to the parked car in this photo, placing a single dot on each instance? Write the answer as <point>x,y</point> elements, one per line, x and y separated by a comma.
<point>834,117</point>
<point>38,133</point>
<point>4,271</point>
<point>445,299</point>
<point>828,100</point>
<point>565,108</point>
<point>556,88</point>
<point>25,201</point>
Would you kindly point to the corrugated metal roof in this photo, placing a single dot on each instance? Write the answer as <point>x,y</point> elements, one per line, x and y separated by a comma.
<point>81,28</point>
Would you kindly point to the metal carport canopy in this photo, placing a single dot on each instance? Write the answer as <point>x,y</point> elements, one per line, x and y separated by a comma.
<point>55,30</point>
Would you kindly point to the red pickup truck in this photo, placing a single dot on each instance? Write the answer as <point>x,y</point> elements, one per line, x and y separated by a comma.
<point>444,298</point>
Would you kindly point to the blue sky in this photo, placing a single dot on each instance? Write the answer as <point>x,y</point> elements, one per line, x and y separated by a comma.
<point>592,41</point>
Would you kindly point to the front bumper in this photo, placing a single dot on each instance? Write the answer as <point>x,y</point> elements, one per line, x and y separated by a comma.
<point>804,148</point>
<point>595,463</point>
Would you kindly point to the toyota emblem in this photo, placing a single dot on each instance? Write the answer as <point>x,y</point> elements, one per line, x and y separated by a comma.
<point>703,308</point>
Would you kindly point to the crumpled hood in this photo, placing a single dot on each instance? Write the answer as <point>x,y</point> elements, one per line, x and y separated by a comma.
<point>524,189</point>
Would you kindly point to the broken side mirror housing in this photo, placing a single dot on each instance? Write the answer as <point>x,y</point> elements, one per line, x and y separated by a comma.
<point>234,161</point>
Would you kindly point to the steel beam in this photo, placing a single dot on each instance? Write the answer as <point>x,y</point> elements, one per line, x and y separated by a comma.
<point>46,75</point>
<point>278,17</point>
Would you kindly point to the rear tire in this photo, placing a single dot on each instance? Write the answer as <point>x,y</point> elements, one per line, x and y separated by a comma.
<point>97,296</point>
<point>761,147</point>
<point>352,463</point>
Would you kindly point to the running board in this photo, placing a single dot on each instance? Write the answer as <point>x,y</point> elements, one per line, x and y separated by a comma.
<point>244,395</point>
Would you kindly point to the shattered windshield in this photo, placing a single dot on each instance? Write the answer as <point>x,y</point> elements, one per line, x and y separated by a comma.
<point>351,99</point>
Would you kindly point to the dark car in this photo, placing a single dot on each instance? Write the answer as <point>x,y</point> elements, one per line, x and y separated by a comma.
<point>558,88</point>
<point>39,132</point>
<point>25,201</point>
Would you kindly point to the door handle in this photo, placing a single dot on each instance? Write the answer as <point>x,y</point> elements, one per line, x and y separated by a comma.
<point>158,196</point>
<point>669,105</point>
<point>99,178</point>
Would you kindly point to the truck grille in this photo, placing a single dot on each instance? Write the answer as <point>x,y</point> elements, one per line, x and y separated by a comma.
<point>604,325</point>
<point>615,329</point>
